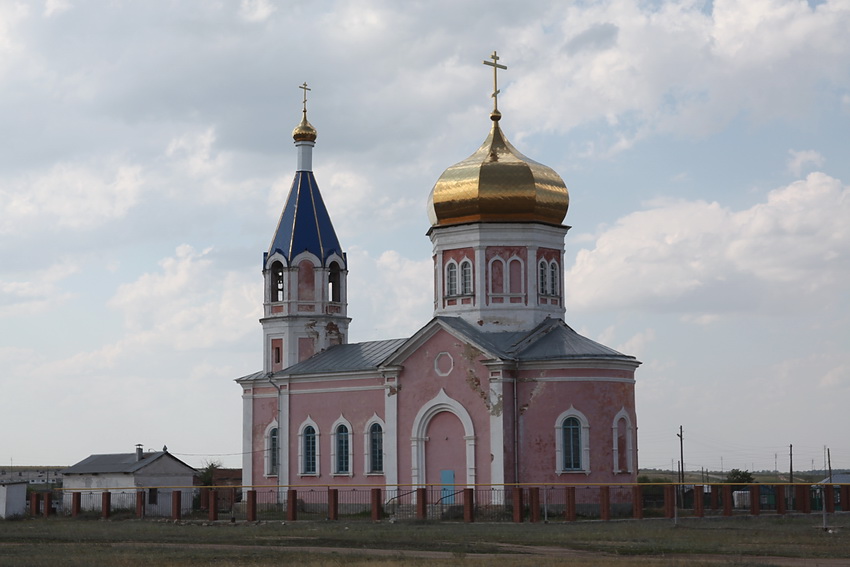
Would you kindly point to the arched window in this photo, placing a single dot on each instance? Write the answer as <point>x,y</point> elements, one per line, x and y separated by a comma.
<point>572,442</point>
<point>623,442</point>
<point>308,451</point>
<point>554,288</point>
<point>451,279</point>
<point>515,272</point>
<point>542,278</point>
<point>334,281</point>
<point>497,276</point>
<point>376,448</point>
<point>274,452</point>
<point>276,282</point>
<point>466,277</point>
<point>342,444</point>
<point>306,280</point>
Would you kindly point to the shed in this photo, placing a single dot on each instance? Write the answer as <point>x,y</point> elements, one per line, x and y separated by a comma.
<point>157,473</point>
<point>13,499</point>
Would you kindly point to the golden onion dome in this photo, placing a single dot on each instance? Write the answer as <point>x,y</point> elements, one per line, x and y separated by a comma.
<point>498,184</point>
<point>304,130</point>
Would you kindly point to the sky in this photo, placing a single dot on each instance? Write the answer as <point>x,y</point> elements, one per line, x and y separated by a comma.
<point>147,154</point>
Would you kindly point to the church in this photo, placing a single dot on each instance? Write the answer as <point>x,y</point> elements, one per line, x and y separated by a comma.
<point>495,389</point>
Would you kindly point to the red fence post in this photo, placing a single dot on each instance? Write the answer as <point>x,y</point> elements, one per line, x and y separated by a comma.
<point>140,503</point>
<point>47,504</point>
<point>637,502</point>
<point>727,500</point>
<point>176,504</point>
<point>421,503</point>
<point>516,497</point>
<point>212,504</point>
<point>34,500</point>
<point>76,504</point>
<point>468,505</point>
<point>669,501</point>
<point>534,504</point>
<point>715,497</point>
<point>755,499</point>
<point>570,504</point>
<point>377,505</point>
<point>605,502</point>
<point>829,498</point>
<point>699,501</point>
<point>105,504</point>
<point>804,499</point>
<point>291,505</point>
<point>333,504</point>
<point>251,506</point>
<point>780,499</point>
<point>845,497</point>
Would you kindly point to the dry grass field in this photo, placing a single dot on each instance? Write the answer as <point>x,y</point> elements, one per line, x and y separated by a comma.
<point>747,541</point>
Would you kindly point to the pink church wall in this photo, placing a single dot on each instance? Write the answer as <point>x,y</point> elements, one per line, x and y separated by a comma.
<point>264,412</point>
<point>467,383</point>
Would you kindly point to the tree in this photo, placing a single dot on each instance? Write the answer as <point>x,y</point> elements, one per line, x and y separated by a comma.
<point>207,472</point>
<point>736,476</point>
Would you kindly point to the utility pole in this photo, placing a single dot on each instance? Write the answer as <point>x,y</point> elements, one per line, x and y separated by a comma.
<point>829,463</point>
<point>681,456</point>
<point>791,464</point>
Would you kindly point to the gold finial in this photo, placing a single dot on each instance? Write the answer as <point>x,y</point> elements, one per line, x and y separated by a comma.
<point>305,88</point>
<point>495,115</point>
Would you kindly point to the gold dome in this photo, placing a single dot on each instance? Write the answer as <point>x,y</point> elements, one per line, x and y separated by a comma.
<point>498,184</point>
<point>304,130</point>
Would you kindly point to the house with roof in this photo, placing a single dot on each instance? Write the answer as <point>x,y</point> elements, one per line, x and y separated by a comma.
<point>495,389</point>
<point>157,473</point>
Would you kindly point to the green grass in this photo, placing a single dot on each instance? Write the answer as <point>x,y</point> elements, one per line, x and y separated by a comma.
<point>59,541</point>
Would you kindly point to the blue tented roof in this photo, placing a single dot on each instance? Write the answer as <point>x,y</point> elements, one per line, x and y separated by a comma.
<point>305,223</point>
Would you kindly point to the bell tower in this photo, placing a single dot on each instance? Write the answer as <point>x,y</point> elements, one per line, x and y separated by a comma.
<point>304,270</point>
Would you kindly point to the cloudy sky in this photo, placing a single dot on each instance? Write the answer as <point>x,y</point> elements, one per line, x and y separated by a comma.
<point>147,153</point>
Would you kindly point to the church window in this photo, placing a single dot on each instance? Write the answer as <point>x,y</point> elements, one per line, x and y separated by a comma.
<point>334,282</point>
<point>277,355</point>
<point>376,448</point>
<point>306,280</point>
<point>451,279</point>
<point>276,282</point>
<point>515,274</point>
<point>554,280</point>
<point>342,444</point>
<point>542,279</point>
<point>466,277</point>
<point>497,276</point>
<point>572,442</point>
<point>308,454</point>
<point>623,445</point>
<point>274,452</point>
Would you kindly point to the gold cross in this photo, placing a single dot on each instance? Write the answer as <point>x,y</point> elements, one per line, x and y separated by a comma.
<point>305,89</point>
<point>496,68</point>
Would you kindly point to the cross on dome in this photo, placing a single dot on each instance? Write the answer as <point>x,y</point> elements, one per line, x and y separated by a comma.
<point>305,88</point>
<point>496,66</point>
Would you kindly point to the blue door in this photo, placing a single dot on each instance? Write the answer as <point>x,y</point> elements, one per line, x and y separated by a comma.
<point>447,479</point>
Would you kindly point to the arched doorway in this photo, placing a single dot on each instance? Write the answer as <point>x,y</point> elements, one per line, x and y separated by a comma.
<point>443,439</point>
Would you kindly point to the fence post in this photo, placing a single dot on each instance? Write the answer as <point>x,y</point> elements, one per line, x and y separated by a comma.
<point>715,497</point>
<point>377,505</point>
<point>291,505</point>
<point>47,506</point>
<point>570,504</point>
<point>699,501</point>
<point>669,501</point>
<point>34,500</point>
<point>637,502</point>
<point>76,504</point>
<point>176,504</point>
<point>468,505</point>
<point>727,499</point>
<point>421,503</point>
<point>845,497</point>
<point>212,504</point>
<point>516,497</point>
<point>534,504</point>
<point>140,503</point>
<point>804,499</point>
<point>755,499</point>
<point>251,506</point>
<point>829,498</point>
<point>605,503</point>
<point>780,498</point>
<point>333,504</point>
<point>105,504</point>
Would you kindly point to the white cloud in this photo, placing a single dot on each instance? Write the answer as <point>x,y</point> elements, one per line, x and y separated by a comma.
<point>256,10</point>
<point>798,160</point>
<point>69,195</point>
<point>702,260</point>
<point>37,293</point>
<point>56,7</point>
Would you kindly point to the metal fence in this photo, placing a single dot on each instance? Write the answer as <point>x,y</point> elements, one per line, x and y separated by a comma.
<point>483,503</point>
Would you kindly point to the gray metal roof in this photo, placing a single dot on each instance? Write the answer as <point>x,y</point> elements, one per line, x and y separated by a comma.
<point>117,463</point>
<point>346,358</point>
